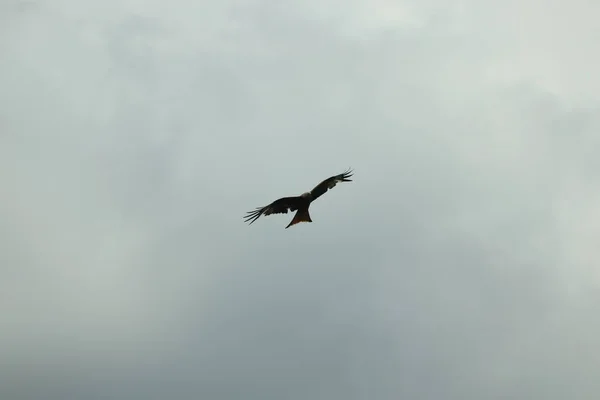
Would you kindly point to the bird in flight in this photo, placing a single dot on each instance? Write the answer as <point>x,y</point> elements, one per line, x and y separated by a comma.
<point>300,203</point>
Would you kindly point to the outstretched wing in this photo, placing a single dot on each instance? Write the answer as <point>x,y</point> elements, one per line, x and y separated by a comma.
<point>329,183</point>
<point>280,206</point>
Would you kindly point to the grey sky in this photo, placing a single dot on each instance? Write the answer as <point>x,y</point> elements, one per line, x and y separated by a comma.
<point>461,263</point>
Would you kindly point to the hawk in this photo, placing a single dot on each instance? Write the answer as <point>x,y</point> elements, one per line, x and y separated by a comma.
<point>300,203</point>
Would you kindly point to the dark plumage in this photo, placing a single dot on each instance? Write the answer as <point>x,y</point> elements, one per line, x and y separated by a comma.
<point>300,203</point>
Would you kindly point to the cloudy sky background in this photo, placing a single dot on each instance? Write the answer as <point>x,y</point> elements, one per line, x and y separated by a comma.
<point>461,263</point>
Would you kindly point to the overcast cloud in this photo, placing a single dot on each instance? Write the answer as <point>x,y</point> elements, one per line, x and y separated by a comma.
<point>461,263</point>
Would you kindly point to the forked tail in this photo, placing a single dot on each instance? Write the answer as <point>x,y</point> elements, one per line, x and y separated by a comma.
<point>302,215</point>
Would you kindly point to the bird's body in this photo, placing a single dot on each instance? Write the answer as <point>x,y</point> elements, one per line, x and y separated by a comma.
<point>300,204</point>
